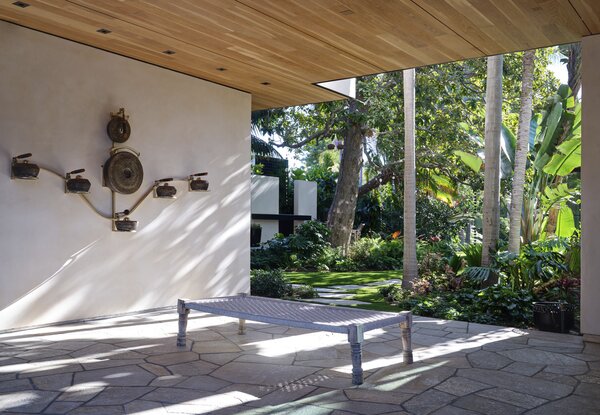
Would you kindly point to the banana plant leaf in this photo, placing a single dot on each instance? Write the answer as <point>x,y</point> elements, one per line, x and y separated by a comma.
<point>566,159</point>
<point>471,160</point>
<point>565,224</point>
<point>548,135</point>
<point>508,144</point>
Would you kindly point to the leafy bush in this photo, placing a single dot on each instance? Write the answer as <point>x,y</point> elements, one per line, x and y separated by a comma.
<point>376,254</point>
<point>304,291</point>
<point>309,249</point>
<point>302,249</point>
<point>270,283</point>
<point>492,305</point>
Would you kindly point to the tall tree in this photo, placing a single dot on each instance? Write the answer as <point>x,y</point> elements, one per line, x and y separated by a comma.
<point>520,164</point>
<point>410,191</point>
<point>341,214</point>
<point>491,185</point>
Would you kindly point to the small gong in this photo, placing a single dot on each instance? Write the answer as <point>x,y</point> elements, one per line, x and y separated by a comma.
<point>118,127</point>
<point>123,172</point>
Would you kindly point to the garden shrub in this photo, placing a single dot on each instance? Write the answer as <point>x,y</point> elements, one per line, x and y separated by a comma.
<point>309,249</point>
<point>269,283</point>
<point>493,305</point>
<point>304,291</point>
<point>302,249</point>
<point>376,254</point>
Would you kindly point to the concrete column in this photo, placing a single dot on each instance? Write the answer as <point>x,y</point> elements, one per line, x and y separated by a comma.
<point>590,193</point>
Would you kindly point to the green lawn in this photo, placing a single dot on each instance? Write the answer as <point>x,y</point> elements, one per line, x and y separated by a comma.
<point>369,294</point>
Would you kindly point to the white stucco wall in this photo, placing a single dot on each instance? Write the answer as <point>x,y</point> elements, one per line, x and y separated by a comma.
<point>590,190</point>
<point>58,259</point>
<point>265,199</point>
<point>305,198</point>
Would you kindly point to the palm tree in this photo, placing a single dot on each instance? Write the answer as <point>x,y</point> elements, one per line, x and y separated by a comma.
<point>410,233</point>
<point>491,186</point>
<point>516,202</point>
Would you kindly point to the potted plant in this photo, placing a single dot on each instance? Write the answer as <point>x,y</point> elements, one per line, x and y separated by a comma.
<point>255,234</point>
<point>557,315</point>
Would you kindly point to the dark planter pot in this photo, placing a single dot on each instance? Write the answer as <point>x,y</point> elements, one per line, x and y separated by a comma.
<point>553,316</point>
<point>255,234</point>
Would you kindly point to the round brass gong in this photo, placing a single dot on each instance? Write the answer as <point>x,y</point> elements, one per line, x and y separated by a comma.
<point>123,172</point>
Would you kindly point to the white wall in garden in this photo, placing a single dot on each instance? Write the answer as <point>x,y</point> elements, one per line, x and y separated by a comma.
<point>265,199</point>
<point>305,199</point>
<point>58,259</point>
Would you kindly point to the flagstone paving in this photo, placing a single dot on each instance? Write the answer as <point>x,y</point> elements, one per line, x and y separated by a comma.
<point>131,365</point>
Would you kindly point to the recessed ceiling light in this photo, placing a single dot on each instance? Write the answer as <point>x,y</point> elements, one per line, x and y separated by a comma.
<point>346,12</point>
<point>265,83</point>
<point>169,52</point>
<point>221,69</point>
<point>104,31</point>
<point>21,4</point>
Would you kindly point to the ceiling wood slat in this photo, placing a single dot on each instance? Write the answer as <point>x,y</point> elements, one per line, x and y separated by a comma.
<point>509,25</point>
<point>277,50</point>
<point>589,11</point>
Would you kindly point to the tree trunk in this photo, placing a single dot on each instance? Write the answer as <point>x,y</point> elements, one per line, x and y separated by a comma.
<point>574,68</point>
<point>516,202</point>
<point>410,227</point>
<point>341,213</point>
<point>491,186</point>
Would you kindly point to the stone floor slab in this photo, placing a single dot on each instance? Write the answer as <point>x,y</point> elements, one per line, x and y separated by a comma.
<point>203,383</point>
<point>26,401</point>
<point>15,385</point>
<point>530,355</point>
<point>571,405</point>
<point>62,407</point>
<point>428,402</point>
<point>460,386</point>
<point>453,410</point>
<point>514,398</point>
<point>522,368</point>
<point>118,376</point>
<point>372,395</point>
<point>118,395</point>
<point>53,382</point>
<point>488,360</point>
<point>170,359</point>
<point>263,374</point>
<point>487,406</point>
<point>518,383</point>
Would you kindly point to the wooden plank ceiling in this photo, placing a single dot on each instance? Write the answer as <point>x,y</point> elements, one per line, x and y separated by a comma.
<point>277,50</point>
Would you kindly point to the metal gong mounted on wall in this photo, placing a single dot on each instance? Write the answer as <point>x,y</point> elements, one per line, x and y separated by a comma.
<point>123,171</point>
<point>118,127</point>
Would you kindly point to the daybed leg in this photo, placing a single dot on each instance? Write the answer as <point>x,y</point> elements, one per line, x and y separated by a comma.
<point>242,326</point>
<point>355,337</point>
<point>407,354</point>
<point>183,319</point>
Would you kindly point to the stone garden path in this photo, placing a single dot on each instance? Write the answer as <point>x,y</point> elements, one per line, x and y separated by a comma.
<point>131,365</point>
<point>339,295</point>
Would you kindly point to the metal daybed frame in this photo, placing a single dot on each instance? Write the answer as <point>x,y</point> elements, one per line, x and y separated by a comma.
<point>354,322</point>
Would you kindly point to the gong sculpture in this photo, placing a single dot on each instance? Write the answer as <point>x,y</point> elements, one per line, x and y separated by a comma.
<point>123,171</point>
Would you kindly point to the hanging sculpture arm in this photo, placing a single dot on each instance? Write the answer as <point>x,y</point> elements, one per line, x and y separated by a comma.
<point>84,197</point>
<point>112,216</point>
